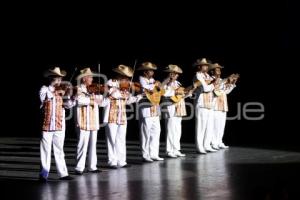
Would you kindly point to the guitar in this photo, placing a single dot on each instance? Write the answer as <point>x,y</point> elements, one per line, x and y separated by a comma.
<point>154,96</point>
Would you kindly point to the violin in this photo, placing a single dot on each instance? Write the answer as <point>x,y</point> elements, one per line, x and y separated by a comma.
<point>97,88</point>
<point>233,78</point>
<point>127,86</point>
<point>65,89</point>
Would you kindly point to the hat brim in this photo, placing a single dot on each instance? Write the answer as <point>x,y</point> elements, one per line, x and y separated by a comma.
<point>202,64</point>
<point>63,73</point>
<point>216,67</point>
<point>146,68</point>
<point>129,74</point>
<point>169,71</point>
<point>84,75</point>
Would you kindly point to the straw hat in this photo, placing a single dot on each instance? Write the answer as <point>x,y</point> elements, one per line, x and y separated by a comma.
<point>201,62</point>
<point>214,66</point>
<point>173,68</point>
<point>85,72</point>
<point>124,70</point>
<point>147,66</point>
<point>56,71</point>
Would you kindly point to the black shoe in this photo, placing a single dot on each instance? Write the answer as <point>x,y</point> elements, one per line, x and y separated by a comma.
<point>43,179</point>
<point>113,167</point>
<point>66,178</point>
<point>95,171</point>
<point>78,172</point>
<point>126,166</point>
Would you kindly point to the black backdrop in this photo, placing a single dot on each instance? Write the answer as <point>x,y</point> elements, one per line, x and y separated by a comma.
<point>252,39</point>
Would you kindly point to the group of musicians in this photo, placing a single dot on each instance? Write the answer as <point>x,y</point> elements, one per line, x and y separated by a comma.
<point>152,97</point>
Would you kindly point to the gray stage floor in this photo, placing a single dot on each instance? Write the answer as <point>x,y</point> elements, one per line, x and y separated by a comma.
<point>235,173</point>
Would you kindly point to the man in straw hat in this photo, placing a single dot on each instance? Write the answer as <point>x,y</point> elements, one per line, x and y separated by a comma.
<point>87,121</point>
<point>220,105</point>
<point>173,112</point>
<point>115,116</point>
<point>149,116</point>
<point>204,112</point>
<point>53,127</point>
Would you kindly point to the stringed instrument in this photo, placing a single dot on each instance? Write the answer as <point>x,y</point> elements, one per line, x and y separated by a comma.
<point>181,92</point>
<point>66,88</point>
<point>130,86</point>
<point>232,78</point>
<point>229,80</point>
<point>96,88</point>
<point>154,96</point>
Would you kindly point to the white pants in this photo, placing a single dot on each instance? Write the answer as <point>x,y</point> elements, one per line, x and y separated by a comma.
<point>55,138</point>
<point>204,128</point>
<point>87,141</point>
<point>116,144</point>
<point>219,118</point>
<point>173,134</point>
<point>149,134</point>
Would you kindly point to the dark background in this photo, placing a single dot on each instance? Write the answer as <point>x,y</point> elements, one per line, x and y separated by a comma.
<point>253,39</point>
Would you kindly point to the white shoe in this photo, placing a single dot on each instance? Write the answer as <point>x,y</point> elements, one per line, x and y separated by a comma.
<point>215,147</point>
<point>157,159</point>
<point>223,146</point>
<point>179,154</point>
<point>171,155</point>
<point>147,160</point>
<point>209,149</point>
<point>202,151</point>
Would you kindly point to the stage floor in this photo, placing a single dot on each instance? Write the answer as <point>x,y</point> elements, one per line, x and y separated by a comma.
<point>234,173</point>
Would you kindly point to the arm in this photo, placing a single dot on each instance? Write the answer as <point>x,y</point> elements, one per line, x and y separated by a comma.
<point>169,91</point>
<point>228,88</point>
<point>144,84</point>
<point>133,99</point>
<point>69,104</point>
<point>101,101</point>
<point>83,99</point>
<point>45,95</point>
<point>206,87</point>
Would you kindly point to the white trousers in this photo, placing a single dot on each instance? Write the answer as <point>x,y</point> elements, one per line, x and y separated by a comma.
<point>116,144</point>
<point>173,134</point>
<point>219,119</point>
<point>87,142</point>
<point>149,135</point>
<point>55,139</point>
<point>204,128</point>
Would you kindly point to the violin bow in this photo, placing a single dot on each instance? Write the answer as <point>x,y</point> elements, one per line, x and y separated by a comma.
<point>73,74</point>
<point>99,67</point>
<point>135,62</point>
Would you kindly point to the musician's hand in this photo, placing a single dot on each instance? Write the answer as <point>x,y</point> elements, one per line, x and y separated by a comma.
<point>234,81</point>
<point>59,92</point>
<point>157,84</point>
<point>74,97</point>
<point>139,97</point>
<point>126,94</point>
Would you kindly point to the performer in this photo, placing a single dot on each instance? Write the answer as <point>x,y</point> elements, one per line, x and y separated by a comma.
<point>53,128</point>
<point>220,105</point>
<point>204,112</point>
<point>87,122</point>
<point>149,114</point>
<point>173,111</point>
<point>115,115</point>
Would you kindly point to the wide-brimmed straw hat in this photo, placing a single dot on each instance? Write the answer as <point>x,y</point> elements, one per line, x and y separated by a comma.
<point>147,66</point>
<point>201,62</point>
<point>85,72</point>
<point>214,66</point>
<point>56,71</point>
<point>124,70</point>
<point>173,68</point>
